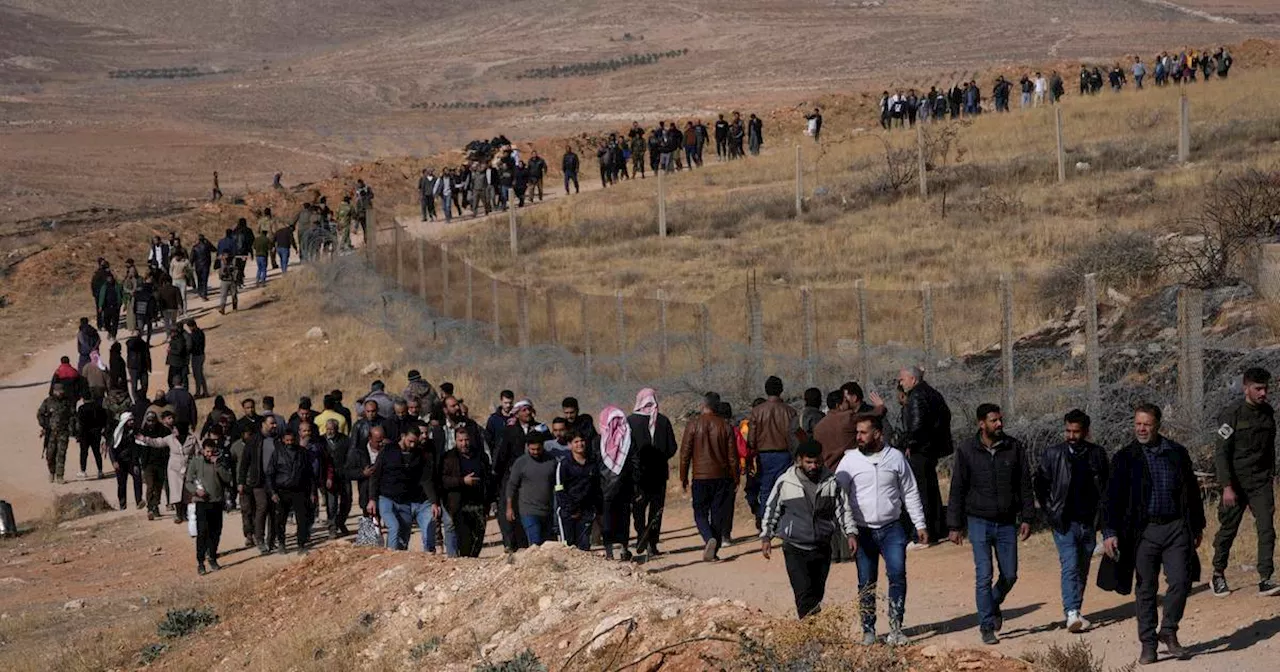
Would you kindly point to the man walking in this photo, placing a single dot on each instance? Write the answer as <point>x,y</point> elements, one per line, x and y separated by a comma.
<point>1245,461</point>
<point>805,507</point>
<point>289,484</point>
<point>578,498</point>
<point>991,499</point>
<point>654,441</point>
<point>709,452</point>
<point>227,281</point>
<point>926,438</point>
<point>208,480</point>
<point>57,419</point>
<point>1069,483</point>
<point>1153,518</point>
<point>569,166</point>
<point>403,486</point>
<point>195,351</point>
<point>880,485</point>
<point>427,195</point>
<point>468,491</point>
<point>202,261</point>
<point>337,497</point>
<point>772,429</point>
<point>530,491</point>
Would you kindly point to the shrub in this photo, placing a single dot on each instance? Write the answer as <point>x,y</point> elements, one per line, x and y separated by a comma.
<point>152,652</point>
<point>1236,212</point>
<point>424,648</point>
<point>1074,657</point>
<point>525,662</point>
<point>1119,258</point>
<point>182,622</point>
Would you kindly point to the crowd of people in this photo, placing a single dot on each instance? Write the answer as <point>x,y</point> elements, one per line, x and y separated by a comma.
<point>831,486</point>
<point>903,108</point>
<point>492,185</point>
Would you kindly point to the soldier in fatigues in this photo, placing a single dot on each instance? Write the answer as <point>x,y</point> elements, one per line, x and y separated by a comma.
<point>1245,464</point>
<point>57,418</point>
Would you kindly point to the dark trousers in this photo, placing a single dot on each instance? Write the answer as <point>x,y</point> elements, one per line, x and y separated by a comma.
<point>154,477</point>
<point>177,374</point>
<point>646,512</point>
<point>299,502</point>
<point>138,382</point>
<point>615,519</point>
<point>712,500</point>
<point>254,507</point>
<point>570,177</point>
<point>925,471</point>
<point>429,206</point>
<point>208,530</point>
<point>94,444</point>
<point>337,503</point>
<point>123,471</point>
<point>111,320</point>
<point>1261,501</point>
<point>1167,545</point>
<point>202,281</point>
<point>468,524</point>
<point>513,537</point>
<point>575,531</point>
<point>197,372</point>
<point>808,572</point>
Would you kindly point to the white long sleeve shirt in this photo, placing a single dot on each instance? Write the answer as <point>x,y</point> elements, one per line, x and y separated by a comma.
<point>878,485</point>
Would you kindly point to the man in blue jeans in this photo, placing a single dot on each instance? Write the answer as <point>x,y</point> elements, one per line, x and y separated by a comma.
<point>991,496</point>
<point>879,483</point>
<point>403,487</point>
<point>1069,482</point>
<point>530,490</point>
<point>772,434</point>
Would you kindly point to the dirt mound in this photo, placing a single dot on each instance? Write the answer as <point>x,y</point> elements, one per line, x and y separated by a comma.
<point>74,505</point>
<point>350,608</point>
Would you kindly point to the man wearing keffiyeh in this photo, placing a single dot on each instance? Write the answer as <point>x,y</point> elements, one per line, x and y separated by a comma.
<point>618,463</point>
<point>654,443</point>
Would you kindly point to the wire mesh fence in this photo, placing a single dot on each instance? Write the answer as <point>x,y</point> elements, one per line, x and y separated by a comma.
<point>964,337</point>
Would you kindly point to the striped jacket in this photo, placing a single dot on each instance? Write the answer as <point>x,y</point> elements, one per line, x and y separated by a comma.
<point>803,522</point>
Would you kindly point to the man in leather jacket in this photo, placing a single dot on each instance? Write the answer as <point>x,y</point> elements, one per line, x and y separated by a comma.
<point>1069,482</point>
<point>926,438</point>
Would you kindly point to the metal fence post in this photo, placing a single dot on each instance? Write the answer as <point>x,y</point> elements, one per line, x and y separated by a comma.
<point>1184,128</point>
<point>622,335</point>
<point>922,164</point>
<point>1092,357</point>
<point>444,279</point>
<point>395,240</point>
<point>662,331</point>
<point>497,323</point>
<point>926,306</point>
<point>471,303</point>
<point>1006,344</point>
<point>1062,151</point>
<point>864,357</point>
<point>1191,355</point>
<point>807,350</point>
<point>422,269</point>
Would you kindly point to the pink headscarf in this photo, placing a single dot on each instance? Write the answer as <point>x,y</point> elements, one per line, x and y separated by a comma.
<point>647,404</point>
<point>615,438</point>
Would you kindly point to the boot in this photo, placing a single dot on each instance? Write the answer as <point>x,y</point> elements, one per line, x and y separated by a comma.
<point>1175,649</point>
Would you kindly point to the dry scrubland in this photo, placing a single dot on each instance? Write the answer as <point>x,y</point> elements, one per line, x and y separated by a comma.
<point>994,207</point>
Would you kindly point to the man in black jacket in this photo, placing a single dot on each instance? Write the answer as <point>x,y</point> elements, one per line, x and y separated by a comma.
<point>467,493</point>
<point>289,482</point>
<point>569,165</point>
<point>138,364</point>
<point>364,425</point>
<point>195,351</point>
<point>1069,482</point>
<point>537,168</point>
<point>510,448</point>
<point>404,486</point>
<point>337,499</point>
<point>359,464</point>
<point>990,491</point>
<point>202,260</point>
<point>1245,462</point>
<point>1152,517</point>
<point>926,438</point>
<point>722,138</point>
<point>654,442</point>
<point>178,357</point>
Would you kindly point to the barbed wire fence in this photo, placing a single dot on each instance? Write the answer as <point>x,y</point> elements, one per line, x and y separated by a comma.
<point>963,336</point>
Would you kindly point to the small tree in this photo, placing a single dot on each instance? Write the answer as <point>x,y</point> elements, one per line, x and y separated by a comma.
<point>1237,212</point>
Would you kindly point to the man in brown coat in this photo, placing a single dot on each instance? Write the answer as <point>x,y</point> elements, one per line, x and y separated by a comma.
<point>837,432</point>
<point>772,434</point>
<point>710,452</point>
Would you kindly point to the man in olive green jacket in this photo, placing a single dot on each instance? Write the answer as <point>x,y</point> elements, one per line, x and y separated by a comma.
<point>208,480</point>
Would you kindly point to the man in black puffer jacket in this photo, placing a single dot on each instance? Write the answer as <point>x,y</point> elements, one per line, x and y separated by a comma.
<point>926,434</point>
<point>289,483</point>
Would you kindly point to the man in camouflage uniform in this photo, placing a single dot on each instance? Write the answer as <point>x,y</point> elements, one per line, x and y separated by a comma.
<point>1245,461</point>
<point>57,418</point>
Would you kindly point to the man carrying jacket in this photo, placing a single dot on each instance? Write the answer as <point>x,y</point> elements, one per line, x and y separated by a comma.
<point>805,507</point>
<point>708,451</point>
<point>207,480</point>
<point>1069,483</point>
<point>1245,461</point>
<point>880,485</point>
<point>1153,517</point>
<point>772,429</point>
<point>289,484</point>
<point>991,499</point>
<point>926,438</point>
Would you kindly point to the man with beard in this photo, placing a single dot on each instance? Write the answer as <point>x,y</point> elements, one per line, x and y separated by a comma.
<point>467,493</point>
<point>289,483</point>
<point>337,497</point>
<point>512,446</point>
<point>496,426</point>
<point>993,500</point>
<point>576,419</point>
<point>709,452</point>
<point>880,485</point>
<point>805,508</point>
<point>926,438</point>
<point>207,480</point>
<point>537,168</point>
<point>202,260</point>
<point>654,442</point>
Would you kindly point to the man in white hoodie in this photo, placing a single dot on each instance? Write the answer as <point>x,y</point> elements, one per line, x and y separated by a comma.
<point>879,483</point>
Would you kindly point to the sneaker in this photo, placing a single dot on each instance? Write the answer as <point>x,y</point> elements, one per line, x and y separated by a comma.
<point>1076,623</point>
<point>263,550</point>
<point>151,515</point>
<point>81,475</point>
<point>897,638</point>
<point>1148,655</point>
<point>709,550</point>
<point>989,638</point>
<point>58,480</point>
<point>1268,588</point>
<point>868,638</point>
<point>999,616</point>
<point>1220,587</point>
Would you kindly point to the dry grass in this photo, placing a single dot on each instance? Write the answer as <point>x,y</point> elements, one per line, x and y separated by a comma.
<point>1004,212</point>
